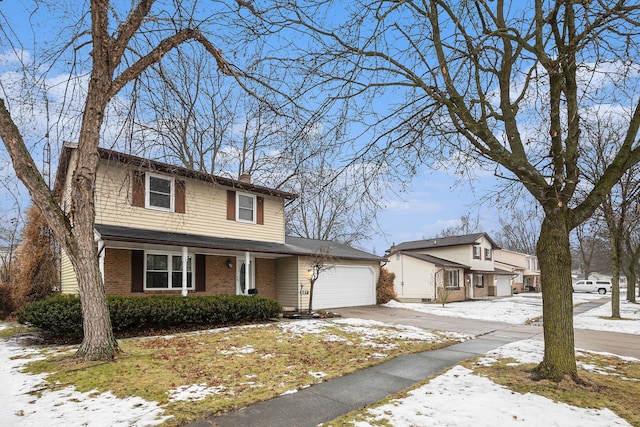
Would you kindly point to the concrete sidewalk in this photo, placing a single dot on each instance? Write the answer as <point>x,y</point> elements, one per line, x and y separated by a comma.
<point>328,400</point>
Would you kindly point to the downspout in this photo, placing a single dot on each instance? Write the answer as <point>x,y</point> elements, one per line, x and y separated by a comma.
<point>402,272</point>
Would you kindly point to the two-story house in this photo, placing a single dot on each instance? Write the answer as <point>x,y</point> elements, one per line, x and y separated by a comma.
<point>463,266</point>
<point>162,229</point>
<point>526,273</point>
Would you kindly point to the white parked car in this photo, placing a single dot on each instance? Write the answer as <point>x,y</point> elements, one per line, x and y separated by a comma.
<point>599,286</point>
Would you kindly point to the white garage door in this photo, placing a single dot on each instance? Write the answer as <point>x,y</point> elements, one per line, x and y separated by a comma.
<point>345,286</point>
<point>504,286</point>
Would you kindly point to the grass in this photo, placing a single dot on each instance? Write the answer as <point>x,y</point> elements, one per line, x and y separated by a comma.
<point>239,366</point>
<point>609,382</point>
<point>15,329</point>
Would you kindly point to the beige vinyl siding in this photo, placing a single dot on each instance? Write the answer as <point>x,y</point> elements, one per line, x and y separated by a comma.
<point>206,209</point>
<point>287,289</point>
<point>68,280</point>
<point>415,279</point>
<point>65,203</point>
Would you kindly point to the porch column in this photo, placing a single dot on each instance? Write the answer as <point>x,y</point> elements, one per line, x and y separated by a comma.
<point>247,272</point>
<point>185,260</point>
<point>101,250</point>
<point>471,285</point>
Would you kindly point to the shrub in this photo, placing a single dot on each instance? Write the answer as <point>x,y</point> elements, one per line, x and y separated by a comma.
<point>37,263</point>
<point>61,316</point>
<point>6,300</point>
<point>384,289</point>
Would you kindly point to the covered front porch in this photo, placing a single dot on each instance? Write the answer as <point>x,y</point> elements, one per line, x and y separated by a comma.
<point>137,262</point>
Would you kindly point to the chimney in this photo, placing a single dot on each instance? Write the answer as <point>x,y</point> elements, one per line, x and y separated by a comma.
<point>245,177</point>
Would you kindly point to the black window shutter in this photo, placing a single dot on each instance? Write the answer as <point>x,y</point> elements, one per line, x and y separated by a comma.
<point>137,271</point>
<point>201,272</point>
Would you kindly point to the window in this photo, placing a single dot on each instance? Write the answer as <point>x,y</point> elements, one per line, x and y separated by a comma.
<point>160,193</point>
<point>476,252</point>
<point>478,278</point>
<point>451,279</point>
<point>487,253</point>
<point>246,208</point>
<point>164,271</point>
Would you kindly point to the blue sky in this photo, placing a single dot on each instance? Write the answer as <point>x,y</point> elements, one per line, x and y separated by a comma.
<point>434,202</point>
<point>431,203</point>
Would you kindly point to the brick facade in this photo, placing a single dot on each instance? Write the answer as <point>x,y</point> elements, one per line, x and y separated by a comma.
<point>220,279</point>
<point>117,272</point>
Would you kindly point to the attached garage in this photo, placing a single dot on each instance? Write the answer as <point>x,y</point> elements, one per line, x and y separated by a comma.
<point>345,286</point>
<point>503,284</point>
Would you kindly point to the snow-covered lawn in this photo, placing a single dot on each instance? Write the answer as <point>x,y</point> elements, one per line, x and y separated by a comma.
<point>460,398</point>
<point>520,309</point>
<point>455,398</point>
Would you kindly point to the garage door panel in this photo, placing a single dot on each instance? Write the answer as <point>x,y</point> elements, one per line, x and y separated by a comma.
<point>345,286</point>
<point>504,286</point>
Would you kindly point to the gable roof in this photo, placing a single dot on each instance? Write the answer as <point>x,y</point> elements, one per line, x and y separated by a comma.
<point>441,242</point>
<point>152,165</point>
<point>338,250</point>
<point>292,246</point>
<point>435,260</point>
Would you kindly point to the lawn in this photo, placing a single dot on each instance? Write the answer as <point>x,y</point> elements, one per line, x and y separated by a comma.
<point>193,375</point>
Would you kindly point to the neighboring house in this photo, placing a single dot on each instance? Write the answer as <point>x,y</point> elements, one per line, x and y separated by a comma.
<point>526,273</point>
<point>461,266</point>
<point>162,229</point>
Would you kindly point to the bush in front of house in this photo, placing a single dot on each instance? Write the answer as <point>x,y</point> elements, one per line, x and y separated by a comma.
<point>384,290</point>
<point>60,316</point>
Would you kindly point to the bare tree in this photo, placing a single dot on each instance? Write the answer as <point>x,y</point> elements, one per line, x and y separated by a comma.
<point>631,265</point>
<point>9,241</point>
<point>123,45</point>
<point>603,134</point>
<point>318,264</point>
<point>591,247</point>
<point>485,84</point>
<point>519,230</point>
<point>466,225</point>
<point>333,205</point>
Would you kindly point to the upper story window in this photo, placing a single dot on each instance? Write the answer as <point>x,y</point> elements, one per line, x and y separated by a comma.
<point>476,252</point>
<point>160,192</point>
<point>487,253</point>
<point>246,208</point>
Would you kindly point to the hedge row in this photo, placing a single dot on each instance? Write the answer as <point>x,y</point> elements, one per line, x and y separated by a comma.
<point>61,316</point>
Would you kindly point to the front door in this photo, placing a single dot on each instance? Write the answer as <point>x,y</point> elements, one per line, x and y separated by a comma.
<point>245,275</point>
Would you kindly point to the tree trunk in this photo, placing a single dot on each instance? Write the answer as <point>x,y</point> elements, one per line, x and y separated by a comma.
<point>99,342</point>
<point>311,283</point>
<point>615,271</point>
<point>631,285</point>
<point>631,269</point>
<point>554,257</point>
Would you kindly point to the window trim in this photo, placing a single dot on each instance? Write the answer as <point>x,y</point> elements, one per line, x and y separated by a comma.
<point>254,210</point>
<point>488,254</point>
<point>147,192</point>
<point>447,272</point>
<point>479,254</point>
<point>170,271</point>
